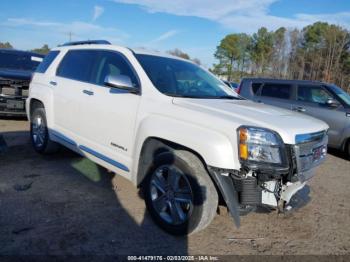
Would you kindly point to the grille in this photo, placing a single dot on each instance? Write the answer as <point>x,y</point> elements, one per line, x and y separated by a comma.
<point>14,88</point>
<point>310,153</point>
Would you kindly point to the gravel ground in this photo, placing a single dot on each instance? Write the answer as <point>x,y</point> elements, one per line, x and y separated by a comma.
<point>66,205</point>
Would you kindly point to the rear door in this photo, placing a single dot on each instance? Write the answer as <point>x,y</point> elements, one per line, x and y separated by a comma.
<point>311,99</point>
<point>275,94</point>
<point>72,92</point>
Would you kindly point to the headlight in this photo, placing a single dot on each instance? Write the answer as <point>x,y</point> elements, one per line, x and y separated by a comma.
<point>259,145</point>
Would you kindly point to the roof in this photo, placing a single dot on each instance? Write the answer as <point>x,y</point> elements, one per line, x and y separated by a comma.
<point>103,44</point>
<point>144,51</point>
<point>278,80</point>
<point>87,42</point>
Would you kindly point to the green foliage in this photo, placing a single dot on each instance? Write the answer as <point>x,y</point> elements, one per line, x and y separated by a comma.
<point>232,52</point>
<point>262,47</point>
<point>43,50</point>
<point>6,45</point>
<point>320,51</point>
<point>177,52</point>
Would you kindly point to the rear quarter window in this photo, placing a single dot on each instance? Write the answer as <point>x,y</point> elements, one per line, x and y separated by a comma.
<point>44,65</point>
<point>255,87</point>
<point>281,91</point>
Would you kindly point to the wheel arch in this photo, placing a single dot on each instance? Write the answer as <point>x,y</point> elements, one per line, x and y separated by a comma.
<point>154,146</point>
<point>33,103</point>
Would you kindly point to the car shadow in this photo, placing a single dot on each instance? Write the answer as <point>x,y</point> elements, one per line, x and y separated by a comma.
<point>64,204</point>
<point>338,153</point>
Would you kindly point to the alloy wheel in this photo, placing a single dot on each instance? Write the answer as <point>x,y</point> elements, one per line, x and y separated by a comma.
<point>171,194</point>
<point>38,131</point>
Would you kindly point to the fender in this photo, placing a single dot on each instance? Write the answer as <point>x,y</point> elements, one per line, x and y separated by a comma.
<point>42,93</point>
<point>215,148</point>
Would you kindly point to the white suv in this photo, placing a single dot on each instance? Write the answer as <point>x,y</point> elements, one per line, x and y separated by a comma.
<point>173,129</point>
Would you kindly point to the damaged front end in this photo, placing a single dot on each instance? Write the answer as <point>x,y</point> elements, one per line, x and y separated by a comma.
<point>13,94</point>
<point>259,183</point>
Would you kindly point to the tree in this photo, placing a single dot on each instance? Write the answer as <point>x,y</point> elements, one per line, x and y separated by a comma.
<point>6,45</point>
<point>43,50</point>
<point>232,54</point>
<point>279,55</point>
<point>262,47</point>
<point>177,52</point>
<point>319,51</point>
<point>197,61</point>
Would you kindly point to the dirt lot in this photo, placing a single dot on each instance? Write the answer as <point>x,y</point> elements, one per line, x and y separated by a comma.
<point>65,204</point>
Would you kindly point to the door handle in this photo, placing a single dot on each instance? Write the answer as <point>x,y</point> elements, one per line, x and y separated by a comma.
<point>53,83</point>
<point>299,109</point>
<point>88,92</point>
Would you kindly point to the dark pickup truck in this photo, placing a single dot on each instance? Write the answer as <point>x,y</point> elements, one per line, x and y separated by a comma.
<point>16,69</point>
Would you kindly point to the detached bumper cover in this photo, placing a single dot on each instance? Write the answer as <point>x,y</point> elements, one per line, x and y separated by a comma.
<point>228,191</point>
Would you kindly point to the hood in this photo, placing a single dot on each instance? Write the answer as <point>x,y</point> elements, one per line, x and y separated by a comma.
<point>244,112</point>
<point>15,74</point>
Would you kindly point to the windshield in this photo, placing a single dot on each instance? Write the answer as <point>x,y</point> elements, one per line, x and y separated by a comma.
<point>178,78</point>
<point>344,96</point>
<point>19,61</point>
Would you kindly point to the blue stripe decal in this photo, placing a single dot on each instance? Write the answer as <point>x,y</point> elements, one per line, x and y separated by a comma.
<point>63,138</point>
<point>104,158</point>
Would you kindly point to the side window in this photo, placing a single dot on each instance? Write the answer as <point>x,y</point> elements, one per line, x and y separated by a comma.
<point>255,87</point>
<point>44,65</point>
<point>111,63</point>
<point>77,65</point>
<point>313,94</point>
<point>281,91</point>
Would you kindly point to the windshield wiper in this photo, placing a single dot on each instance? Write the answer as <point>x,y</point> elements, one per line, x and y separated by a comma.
<point>205,97</point>
<point>228,97</point>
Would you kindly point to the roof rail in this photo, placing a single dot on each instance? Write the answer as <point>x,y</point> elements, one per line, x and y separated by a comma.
<point>87,42</point>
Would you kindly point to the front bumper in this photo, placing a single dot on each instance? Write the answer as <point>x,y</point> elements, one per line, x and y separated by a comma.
<point>268,186</point>
<point>12,106</point>
<point>13,94</point>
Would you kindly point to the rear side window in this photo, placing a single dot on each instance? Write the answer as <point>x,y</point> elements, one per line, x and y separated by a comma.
<point>44,65</point>
<point>281,91</point>
<point>313,94</point>
<point>255,87</point>
<point>77,65</point>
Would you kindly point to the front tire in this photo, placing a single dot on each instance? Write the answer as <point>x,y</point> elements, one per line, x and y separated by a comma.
<point>179,194</point>
<point>39,133</point>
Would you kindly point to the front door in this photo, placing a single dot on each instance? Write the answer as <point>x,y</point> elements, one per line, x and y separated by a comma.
<point>311,100</point>
<point>112,112</point>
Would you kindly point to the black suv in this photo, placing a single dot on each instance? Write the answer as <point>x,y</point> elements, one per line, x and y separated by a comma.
<point>324,101</point>
<point>16,69</point>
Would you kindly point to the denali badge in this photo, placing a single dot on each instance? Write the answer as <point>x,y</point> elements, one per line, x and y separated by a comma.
<point>118,146</point>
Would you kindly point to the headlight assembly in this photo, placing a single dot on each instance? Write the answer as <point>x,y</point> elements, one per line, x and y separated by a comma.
<point>259,145</point>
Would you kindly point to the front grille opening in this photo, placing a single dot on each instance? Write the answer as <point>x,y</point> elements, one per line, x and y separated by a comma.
<point>14,88</point>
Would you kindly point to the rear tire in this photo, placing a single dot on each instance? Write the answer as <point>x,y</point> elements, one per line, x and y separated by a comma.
<point>347,149</point>
<point>39,133</point>
<point>179,194</point>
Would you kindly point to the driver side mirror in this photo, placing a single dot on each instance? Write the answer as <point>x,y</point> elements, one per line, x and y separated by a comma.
<point>332,103</point>
<point>122,82</point>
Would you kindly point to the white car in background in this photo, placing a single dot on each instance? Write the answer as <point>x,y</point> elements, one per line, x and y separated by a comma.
<point>173,129</point>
